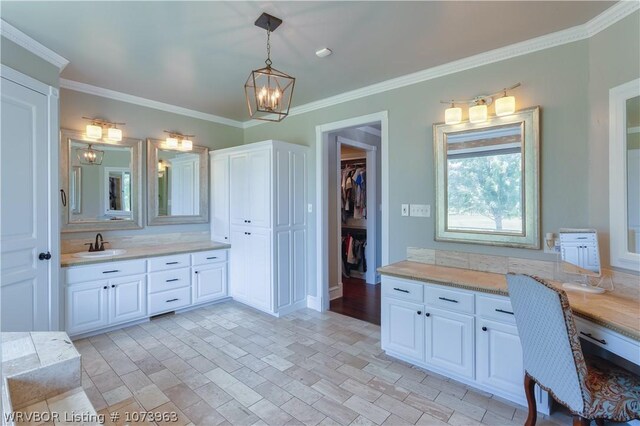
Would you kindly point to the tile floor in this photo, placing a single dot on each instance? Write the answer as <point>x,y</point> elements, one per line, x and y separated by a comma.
<point>229,364</point>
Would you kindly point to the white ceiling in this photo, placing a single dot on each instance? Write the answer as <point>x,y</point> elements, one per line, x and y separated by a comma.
<point>198,55</point>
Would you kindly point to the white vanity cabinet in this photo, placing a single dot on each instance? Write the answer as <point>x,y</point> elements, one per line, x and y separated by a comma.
<point>462,334</point>
<point>265,221</point>
<point>105,295</point>
<point>113,293</point>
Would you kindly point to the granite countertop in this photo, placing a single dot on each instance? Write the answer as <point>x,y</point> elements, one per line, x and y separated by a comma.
<point>69,259</point>
<point>607,309</point>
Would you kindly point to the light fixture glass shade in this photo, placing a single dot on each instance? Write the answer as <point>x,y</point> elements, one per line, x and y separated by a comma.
<point>505,105</point>
<point>172,142</point>
<point>93,131</point>
<point>453,115</point>
<point>269,93</point>
<point>90,156</point>
<point>187,145</point>
<point>478,113</point>
<point>114,134</point>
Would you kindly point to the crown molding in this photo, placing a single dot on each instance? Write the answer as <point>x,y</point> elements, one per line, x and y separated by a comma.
<point>10,32</point>
<point>137,100</point>
<point>607,18</point>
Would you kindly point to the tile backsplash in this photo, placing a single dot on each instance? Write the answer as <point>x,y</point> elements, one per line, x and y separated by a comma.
<point>625,284</point>
<point>123,242</point>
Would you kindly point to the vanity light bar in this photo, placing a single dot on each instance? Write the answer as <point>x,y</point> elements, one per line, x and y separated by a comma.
<point>179,141</point>
<point>94,129</point>
<point>478,111</point>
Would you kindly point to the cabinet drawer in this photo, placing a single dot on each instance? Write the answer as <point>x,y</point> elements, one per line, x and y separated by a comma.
<point>609,340</point>
<point>169,300</point>
<point>169,262</point>
<point>402,289</point>
<point>206,257</point>
<point>497,308</point>
<point>103,271</point>
<point>453,300</point>
<point>169,280</point>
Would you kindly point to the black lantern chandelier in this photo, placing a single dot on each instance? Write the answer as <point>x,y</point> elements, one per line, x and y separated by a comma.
<point>269,91</point>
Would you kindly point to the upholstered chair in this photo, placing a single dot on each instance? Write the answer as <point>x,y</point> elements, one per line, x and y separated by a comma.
<point>590,387</point>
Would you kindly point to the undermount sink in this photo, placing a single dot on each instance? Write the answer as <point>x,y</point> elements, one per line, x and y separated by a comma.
<point>104,253</point>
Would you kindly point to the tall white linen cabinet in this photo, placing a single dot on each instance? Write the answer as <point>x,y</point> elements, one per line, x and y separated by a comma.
<point>259,206</point>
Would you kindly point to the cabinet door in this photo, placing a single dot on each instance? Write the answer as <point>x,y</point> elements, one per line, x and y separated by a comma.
<point>220,198</point>
<point>257,264</point>
<point>449,341</point>
<point>209,282</point>
<point>499,356</point>
<point>238,264</point>
<point>259,193</point>
<point>238,189</point>
<point>87,307</point>
<point>128,299</point>
<point>403,328</point>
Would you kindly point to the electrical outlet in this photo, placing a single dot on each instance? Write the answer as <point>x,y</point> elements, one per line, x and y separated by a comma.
<point>405,210</point>
<point>310,208</point>
<point>420,210</point>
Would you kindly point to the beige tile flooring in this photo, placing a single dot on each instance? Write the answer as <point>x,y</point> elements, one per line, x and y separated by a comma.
<point>229,364</point>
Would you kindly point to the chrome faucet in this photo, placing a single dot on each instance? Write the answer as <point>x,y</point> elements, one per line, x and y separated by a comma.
<point>99,244</point>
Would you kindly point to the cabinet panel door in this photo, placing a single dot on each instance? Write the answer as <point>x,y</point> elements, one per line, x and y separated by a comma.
<point>128,298</point>
<point>298,189</point>
<point>299,273</point>
<point>449,341</point>
<point>87,307</point>
<point>209,282</point>
<point>238,189</point>
<point>258,267</point>
<point>259,193</point>
<point>238,264</point>
<point>403,328</point>
<point>283,259</point>
<point>499,356</point>
<point>220,198</point>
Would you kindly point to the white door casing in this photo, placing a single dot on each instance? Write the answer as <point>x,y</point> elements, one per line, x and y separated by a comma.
<point>29,225</point>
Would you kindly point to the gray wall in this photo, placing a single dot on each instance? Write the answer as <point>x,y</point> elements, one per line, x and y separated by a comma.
<point>143,123</point>
<point>27,63</point>
<point>563,80</point>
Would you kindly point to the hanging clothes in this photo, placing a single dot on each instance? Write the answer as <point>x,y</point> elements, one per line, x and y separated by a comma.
<point>353,185</point>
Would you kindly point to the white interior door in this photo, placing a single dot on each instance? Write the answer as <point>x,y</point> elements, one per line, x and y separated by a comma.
<point>24,231</point>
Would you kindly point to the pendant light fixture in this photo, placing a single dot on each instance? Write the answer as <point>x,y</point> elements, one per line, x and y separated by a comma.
<point>268,91</point>
<point>94,129</point>
<point>478,113</point>
<point>90,156</point>
<point>505,105</point>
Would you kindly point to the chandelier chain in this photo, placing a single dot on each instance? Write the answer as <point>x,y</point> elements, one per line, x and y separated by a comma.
<point>268,61</point>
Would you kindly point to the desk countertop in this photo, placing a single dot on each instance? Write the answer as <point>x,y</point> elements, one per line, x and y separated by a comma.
<point>141,252</point>
<point>607,309</point>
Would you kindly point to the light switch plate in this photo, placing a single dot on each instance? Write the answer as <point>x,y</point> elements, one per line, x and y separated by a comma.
<point>405,210</point>
<point>310,208</point>
<point>420,210</point>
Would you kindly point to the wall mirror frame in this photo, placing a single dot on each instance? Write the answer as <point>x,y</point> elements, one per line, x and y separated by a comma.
<point>194,206</point>
<point>84,202</point>
<point>624,175</point>
<point>488,181</point>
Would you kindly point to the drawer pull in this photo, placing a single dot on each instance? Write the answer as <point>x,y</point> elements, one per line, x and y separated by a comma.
<point>504,312</point>
<point>401,290</point>
<point>212,257</point>
<point>173,279</point>
<point>172,263</point>
<point>448,300</point>
<point>110,272</point>
<point>172,300</point>
<point>590,336</point>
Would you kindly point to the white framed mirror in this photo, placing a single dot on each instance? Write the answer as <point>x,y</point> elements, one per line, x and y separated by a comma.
<point>487,181</point>
<point>624,175</point>
<point>101,182</point>
<point>177,184</point>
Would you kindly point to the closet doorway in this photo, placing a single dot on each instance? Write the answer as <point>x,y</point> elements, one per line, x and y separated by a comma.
<point>354,222</point>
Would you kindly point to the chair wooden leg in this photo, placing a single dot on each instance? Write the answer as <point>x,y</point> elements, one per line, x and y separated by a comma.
<point>529,385</point>
<point>580,421</point>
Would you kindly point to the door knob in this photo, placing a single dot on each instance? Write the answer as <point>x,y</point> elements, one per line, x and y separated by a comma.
<point>44,256</point>
<point>419,312</point>
<point>427,314</point>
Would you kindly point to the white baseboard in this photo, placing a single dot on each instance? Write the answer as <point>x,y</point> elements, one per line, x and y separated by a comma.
<point>298,305</point>
<point>335,292</point>
<point>314,303</point>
